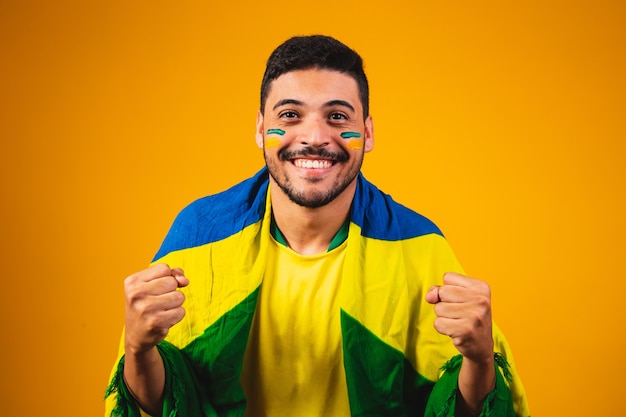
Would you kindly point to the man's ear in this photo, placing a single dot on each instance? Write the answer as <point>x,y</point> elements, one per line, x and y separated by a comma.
<point>259,130</point>
<point>368,141</point>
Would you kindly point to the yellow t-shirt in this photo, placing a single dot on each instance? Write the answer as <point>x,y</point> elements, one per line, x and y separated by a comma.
<point>294,361</point>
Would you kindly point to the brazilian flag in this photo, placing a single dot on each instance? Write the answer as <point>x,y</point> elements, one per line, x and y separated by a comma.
<point>395,362</point>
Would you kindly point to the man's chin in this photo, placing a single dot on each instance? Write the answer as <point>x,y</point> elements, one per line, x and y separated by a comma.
<point>311,201</point>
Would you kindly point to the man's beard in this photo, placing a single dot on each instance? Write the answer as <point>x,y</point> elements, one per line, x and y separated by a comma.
<point>314,199</point>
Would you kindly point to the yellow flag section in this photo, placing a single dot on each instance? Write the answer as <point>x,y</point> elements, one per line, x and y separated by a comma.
<point>237,268</point>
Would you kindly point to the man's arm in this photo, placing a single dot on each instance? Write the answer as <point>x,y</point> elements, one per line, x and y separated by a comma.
<point>476,380</point>
<point>153,306</point>
<point>144,376</point>
<point>463,309</point>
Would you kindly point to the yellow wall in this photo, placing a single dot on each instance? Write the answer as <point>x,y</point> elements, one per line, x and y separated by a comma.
<point>504,123</point>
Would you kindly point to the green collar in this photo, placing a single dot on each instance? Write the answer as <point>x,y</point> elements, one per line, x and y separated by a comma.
<point>340,237</point>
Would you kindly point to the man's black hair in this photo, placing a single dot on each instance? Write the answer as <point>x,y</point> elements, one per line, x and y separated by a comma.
<point>315,51</point>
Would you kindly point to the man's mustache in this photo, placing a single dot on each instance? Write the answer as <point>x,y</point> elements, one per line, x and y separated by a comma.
<point>285,154</point>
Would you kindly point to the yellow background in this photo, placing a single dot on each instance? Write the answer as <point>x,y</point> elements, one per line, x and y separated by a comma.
<point>504,122</point>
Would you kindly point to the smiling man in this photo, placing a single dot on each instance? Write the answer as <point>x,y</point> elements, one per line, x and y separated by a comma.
<point>313,169</point>
<point>306,291</point>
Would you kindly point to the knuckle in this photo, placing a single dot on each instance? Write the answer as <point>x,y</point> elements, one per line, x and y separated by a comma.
<point>171,284</point>
<point>164,286</point>
<point>438,324</point>
<point>475,321</point>
<point>173,300</point>
<point>484,287</point>
<point>484,304</point>
<point>141,309</point>
<point>153,323</point>
<point>130,282</point>
<point>438,309</point>
<point>479,298</point>
<point>161,268</point>
<point>134,296</point>
<point>180,314</point>
<point>160,332</point>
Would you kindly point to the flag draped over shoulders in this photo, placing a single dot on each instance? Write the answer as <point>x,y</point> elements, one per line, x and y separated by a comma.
<point>395,362</point>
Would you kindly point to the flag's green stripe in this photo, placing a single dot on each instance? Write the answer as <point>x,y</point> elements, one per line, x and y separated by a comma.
<point>219,353</point>
<point>381,382</point>
<point>348,135</point>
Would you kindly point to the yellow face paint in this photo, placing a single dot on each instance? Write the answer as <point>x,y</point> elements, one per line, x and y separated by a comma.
<point>355,144</point>
<point>272,143</point>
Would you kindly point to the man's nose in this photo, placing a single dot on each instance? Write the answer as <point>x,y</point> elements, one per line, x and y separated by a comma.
<point>314,133</point>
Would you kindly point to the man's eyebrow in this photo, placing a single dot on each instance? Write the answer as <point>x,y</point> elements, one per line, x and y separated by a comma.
<point>286,101</point>
<point>340,103</point>
<point>295,102</point>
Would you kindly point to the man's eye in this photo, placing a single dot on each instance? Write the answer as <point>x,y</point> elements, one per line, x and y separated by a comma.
<point>338,116</point>
<point>289,115</point>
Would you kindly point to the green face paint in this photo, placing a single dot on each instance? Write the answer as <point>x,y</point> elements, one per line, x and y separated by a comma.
<point>275,132</point>
<point>349,135</point>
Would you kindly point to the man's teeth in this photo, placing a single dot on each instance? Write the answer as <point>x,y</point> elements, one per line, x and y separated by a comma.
<point>313,163</point>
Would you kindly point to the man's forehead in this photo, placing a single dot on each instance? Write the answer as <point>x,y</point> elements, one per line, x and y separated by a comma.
<point>300,87</point>
<point>316,72</point>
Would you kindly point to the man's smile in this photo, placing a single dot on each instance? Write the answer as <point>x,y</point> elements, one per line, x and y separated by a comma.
<point>313,163</point>
<point>310,157</point>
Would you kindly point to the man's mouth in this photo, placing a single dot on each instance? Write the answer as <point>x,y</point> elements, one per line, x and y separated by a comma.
<point>312,158</point>
<point>313,163</point>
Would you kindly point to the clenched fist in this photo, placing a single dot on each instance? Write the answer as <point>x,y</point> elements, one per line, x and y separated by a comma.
<point>153,306</point>
<point>463,309</point>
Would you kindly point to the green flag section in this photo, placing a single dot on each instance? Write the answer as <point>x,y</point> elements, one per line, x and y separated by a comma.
<point>179,382</point>
<point>499,402</point>
<point>381,382</point>
<point>202,379</point>
<point>218,356</point>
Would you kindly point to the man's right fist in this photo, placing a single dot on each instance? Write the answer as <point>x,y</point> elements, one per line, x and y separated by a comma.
<point>153,305</point>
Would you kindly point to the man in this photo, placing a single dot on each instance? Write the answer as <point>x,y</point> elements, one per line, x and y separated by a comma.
<point>306,291</point>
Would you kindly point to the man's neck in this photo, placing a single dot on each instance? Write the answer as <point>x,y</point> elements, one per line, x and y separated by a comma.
<point>310,231</point>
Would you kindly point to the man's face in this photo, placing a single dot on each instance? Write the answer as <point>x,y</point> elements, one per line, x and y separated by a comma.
<point>313,135</point>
